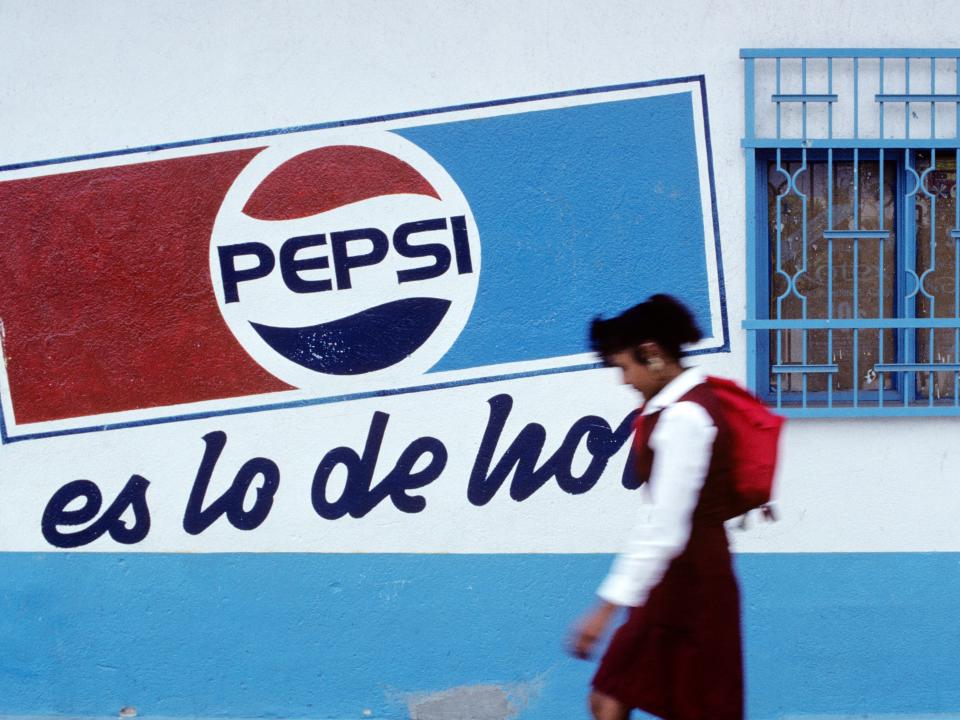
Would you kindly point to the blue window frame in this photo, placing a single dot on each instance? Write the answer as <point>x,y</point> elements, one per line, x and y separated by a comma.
<point>853,225</point>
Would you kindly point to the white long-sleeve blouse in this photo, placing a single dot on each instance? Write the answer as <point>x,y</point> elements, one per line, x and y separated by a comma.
<point>682,443</point>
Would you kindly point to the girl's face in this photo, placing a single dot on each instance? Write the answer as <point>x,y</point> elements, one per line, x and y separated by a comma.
<point>637,374</point>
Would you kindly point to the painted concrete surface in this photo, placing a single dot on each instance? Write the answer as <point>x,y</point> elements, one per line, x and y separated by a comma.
<point>302,635</point>
<point>402,609</point>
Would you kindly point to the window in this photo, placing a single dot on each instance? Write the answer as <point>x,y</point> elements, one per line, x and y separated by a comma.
<point>852,230</point>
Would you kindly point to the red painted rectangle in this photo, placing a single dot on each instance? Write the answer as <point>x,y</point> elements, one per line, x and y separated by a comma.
<point>106,303</point>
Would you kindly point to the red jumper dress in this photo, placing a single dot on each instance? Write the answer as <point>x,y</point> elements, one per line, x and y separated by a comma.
<point>678,656</point>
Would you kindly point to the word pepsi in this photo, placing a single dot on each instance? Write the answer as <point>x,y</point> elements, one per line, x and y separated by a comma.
<point>292,267</point>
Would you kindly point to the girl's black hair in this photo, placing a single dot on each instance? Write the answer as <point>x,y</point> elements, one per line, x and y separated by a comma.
<point>661,319</point>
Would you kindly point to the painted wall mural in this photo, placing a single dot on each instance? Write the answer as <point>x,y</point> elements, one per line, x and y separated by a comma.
<point>430,251</point>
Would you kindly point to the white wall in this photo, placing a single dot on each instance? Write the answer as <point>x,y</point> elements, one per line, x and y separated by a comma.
<point>91,76</point>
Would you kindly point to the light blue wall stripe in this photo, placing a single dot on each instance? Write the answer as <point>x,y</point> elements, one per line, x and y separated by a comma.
<point>326,636</point>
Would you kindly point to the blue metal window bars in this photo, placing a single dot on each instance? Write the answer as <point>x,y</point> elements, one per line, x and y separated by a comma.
<point>853,287</point>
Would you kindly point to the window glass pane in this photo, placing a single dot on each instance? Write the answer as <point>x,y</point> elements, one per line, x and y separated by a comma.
<point>815,277</point>
<point>935,211</point>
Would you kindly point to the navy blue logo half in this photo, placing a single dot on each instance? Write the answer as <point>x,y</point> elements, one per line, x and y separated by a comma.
<point>370,340</point>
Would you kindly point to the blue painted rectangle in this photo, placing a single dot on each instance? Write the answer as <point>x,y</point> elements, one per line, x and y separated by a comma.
<point>848,53</point>
<point>856,234</point>
<point>916,98</point>
<point>328,636</point>
<point>802,368</point>
<point>581,211</point>
<point>848,323</point>
<point>916,367</point>
<point>848,143</point>
<point>804,98</point>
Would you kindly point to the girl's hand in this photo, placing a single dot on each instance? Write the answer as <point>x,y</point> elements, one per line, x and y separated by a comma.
<point>585,633</point>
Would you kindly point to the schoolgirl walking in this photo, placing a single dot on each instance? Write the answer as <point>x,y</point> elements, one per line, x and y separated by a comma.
<point>678,654</point>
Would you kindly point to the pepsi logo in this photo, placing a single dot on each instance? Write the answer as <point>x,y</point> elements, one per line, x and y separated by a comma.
<point>346,261</point>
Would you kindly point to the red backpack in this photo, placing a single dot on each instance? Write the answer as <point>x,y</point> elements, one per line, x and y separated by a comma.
<point>754,439</point>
